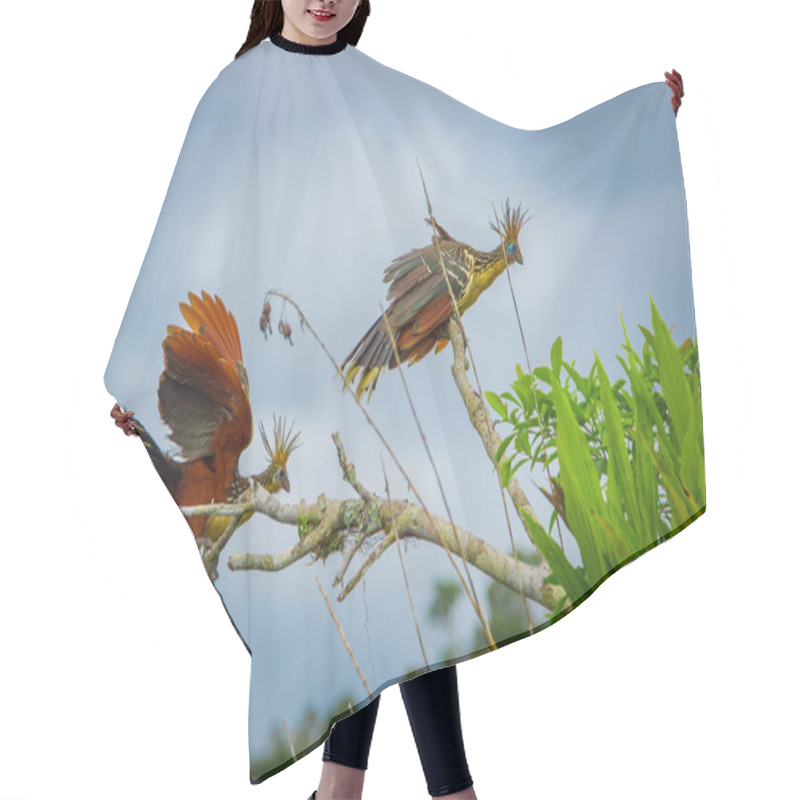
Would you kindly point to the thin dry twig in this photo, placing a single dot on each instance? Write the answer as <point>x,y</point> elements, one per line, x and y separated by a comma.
<point>344,640</point>
<point>462,332</point>
<point>394,536</point>
<point>305,322</point>
<point>289,738</point>
<point>527,362</point>
<point>470,592</point>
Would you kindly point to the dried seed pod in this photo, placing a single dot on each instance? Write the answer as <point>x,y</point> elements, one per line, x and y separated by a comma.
<point>265,323</point>
<point>286,330</point>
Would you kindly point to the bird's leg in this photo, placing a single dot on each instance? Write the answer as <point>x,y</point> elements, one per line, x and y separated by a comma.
<point>204,544</point>
<point>211,570</point>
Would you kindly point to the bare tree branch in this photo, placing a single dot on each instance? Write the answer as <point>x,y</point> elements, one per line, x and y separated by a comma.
<point>481,421</point>
<point>471,597</point>
<point>329,522</point>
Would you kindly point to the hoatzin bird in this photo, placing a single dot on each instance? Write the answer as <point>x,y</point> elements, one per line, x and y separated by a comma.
<point>419,301</point>
<point>204,398</point>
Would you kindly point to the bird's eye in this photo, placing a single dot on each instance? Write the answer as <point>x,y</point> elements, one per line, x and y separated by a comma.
<point>510,248</point>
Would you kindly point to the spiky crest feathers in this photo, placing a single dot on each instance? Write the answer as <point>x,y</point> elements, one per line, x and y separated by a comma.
<point>284,442</point>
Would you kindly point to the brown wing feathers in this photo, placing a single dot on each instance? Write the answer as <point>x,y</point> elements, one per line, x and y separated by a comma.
<point>203,394</point>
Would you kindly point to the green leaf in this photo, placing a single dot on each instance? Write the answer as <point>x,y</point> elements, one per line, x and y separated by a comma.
<point>526,396</point>
<point>674,384</point>
<point>563,572</point>
<point>645,474</point>
<point>581,383</point>
<point>504,468</point>
<point>692,464</point>
<point>502,447</point>
<point>497,404</point>
<point>672,485</point>
<point>580,481</point>
<point>522,441</point>
<point>648,339</point>
<point>555,356</point>
<point>615,550</point>
<point>619,458</point>
<point>647,398</point>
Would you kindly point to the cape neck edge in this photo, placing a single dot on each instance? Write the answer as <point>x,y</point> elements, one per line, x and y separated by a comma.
<point>308,49</point>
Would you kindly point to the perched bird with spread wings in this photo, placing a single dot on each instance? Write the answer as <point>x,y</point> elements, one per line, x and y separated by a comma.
<point>419,301</point>
<point>204,398</point>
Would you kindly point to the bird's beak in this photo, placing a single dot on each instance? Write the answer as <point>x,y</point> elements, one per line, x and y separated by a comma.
<point>285,484</point>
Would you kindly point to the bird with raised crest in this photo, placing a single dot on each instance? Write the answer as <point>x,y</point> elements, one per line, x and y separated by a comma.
<point>204,399</point>
<point>419,300</point>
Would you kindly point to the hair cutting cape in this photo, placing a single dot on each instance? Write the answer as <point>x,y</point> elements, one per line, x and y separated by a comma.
<point>419,381</point>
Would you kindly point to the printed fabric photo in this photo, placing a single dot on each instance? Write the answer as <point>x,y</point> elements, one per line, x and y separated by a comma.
<point>419,381</point>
